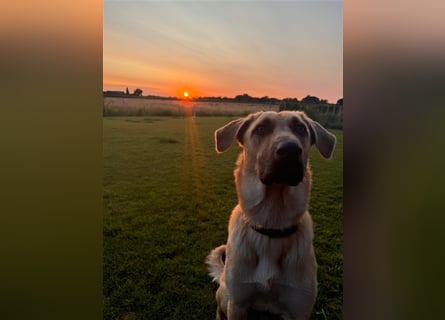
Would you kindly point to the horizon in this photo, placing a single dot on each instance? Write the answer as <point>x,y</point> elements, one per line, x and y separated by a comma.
<point>188,97</point>
<point>280,50</point>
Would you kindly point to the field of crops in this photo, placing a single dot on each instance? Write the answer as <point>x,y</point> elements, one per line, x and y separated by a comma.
<point>159,107</point>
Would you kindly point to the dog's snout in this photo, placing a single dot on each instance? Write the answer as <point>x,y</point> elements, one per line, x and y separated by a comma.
<point>288,150</point>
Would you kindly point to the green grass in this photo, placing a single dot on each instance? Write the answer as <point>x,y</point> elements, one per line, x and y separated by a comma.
<point>167,200</point>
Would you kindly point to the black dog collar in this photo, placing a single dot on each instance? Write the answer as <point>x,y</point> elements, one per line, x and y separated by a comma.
<point>276,233</point>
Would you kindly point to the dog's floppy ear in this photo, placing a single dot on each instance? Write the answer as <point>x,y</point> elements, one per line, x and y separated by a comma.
<point>225,136</point>
<point>322,138</point>
<point>234,130</point>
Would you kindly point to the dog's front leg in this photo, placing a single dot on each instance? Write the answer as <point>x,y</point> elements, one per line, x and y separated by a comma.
<point>220,315</point>
<point>236,312</point>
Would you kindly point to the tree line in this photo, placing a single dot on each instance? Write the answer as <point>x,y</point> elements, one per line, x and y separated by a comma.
<point>284,104</point>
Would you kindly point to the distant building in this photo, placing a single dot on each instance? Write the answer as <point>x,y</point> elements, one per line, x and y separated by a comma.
<point>114,93</point>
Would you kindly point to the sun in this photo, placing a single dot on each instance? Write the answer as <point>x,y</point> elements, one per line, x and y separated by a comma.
<point>186,94</point>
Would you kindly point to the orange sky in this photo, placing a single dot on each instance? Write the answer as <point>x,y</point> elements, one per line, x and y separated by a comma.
<point>275,49</point>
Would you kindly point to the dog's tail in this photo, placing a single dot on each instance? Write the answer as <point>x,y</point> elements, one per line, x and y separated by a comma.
<point>215,262</point>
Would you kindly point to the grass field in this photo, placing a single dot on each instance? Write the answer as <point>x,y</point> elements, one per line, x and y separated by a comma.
<point>167,200</point>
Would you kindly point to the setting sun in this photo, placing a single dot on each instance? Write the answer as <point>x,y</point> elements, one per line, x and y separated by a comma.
<point>186,94</point>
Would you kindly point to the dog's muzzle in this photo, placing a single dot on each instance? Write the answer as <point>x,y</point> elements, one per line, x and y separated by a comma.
<point>286,166</point>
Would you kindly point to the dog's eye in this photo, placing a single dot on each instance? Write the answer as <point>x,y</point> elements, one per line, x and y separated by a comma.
<point>260,130</point>
<point>299,128</point>
<point>263,128</point>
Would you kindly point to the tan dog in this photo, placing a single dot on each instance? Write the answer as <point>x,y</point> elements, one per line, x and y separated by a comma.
<point>268,264</point>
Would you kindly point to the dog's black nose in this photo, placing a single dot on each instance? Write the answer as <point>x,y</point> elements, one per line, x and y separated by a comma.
<point>288,150</point>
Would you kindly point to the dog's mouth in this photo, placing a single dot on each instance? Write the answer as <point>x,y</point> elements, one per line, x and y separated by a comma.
<point>290,174</point>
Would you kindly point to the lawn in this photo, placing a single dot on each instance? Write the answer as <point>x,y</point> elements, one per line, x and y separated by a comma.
<point>167,199</point>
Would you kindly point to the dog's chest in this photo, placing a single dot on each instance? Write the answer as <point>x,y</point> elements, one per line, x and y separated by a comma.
<point>271,265</point>
<point>266,273</point>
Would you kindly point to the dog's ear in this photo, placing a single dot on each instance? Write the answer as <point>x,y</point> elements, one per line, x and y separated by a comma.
<point>234,130</point>
<point>322,138</point>
<point>225,136</point>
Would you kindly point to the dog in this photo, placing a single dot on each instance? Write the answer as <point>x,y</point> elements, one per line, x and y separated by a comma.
<point>267,268</point>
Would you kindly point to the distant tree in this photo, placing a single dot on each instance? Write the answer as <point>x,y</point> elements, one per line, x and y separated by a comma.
<point>243,98</point>
<point>289,104</point>
<point>310,99</point>
<point>127,92</point>
<point>340,102</point>
<point>138,92</point>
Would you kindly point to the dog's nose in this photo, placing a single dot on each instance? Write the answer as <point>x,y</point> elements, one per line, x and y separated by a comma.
<point>288,150</point>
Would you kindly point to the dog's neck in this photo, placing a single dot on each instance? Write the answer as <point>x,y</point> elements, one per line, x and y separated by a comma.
<point>288,203</point>
<point>276,233</point>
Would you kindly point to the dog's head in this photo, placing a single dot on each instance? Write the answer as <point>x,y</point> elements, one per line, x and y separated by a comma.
<point>276,144</point>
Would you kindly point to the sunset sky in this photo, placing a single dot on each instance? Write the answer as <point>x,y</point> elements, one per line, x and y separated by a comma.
<point>214,48</point>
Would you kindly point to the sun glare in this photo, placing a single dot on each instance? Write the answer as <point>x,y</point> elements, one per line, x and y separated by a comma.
<point>186,94</point>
